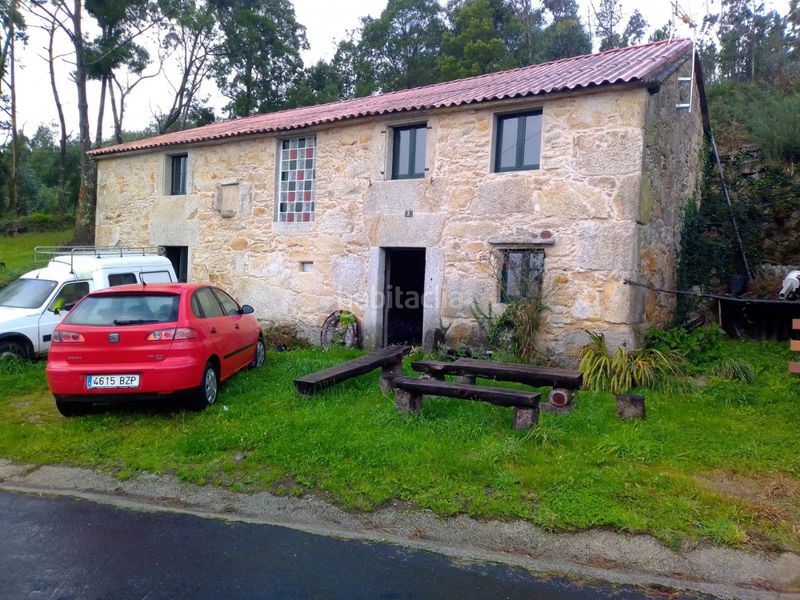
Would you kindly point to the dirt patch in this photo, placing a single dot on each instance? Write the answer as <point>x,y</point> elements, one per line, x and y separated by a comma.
<point>774,499</point>
<point>286,486</point>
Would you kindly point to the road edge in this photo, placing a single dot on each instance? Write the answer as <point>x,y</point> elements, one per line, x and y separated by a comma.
<point>596,554</point>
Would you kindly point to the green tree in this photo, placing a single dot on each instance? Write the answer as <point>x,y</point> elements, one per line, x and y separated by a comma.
<point>756,45</point>
<point>475,44</point>
<point>634,29</point>
<point>665,32</point>
<point>609,16</point>
<point>258,56</point>
<point>318,84</point>
<point>400,48</point>
<point>191,46</point>
<point>565,36</point>
<point>121,22</point>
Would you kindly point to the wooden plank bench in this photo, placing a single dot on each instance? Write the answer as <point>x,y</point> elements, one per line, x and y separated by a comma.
<point>467,369</point>
<point>409,391</point>
<point>389,360</point>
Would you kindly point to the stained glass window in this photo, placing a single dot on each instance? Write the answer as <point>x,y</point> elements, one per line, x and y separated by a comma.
<point>297,176</point>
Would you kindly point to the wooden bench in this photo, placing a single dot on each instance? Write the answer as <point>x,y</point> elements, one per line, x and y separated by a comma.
<point>389,360</point>
<point>563,381</point>
<point>467,369</point>
<point>409,391</point>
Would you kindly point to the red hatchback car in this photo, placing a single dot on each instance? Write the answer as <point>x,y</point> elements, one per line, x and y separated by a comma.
<point>147,341</point>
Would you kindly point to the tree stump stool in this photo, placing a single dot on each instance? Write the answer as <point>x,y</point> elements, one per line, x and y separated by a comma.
<point>630,406</point>
<point>525,418</point>
<point>407,402</point>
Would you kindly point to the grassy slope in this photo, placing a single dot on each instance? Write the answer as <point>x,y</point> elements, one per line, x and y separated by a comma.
<point>581,470</point>
<point>17,251</point>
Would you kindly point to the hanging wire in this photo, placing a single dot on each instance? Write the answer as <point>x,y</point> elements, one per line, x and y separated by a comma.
<point>730,205</point>
<point>686,18</point>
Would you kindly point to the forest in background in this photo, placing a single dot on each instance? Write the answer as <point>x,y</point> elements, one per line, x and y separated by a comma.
<point>250,51</point>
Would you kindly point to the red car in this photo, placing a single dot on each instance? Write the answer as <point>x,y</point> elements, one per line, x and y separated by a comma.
<point>147,341</point>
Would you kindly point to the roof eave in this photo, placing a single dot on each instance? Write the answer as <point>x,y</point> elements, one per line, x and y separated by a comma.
<point>110,152</point>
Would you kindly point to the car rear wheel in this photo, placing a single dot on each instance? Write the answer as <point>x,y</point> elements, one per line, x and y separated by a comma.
<point>12,349</point>
<point>207,393</point>
<point>69,408</point>
<point>260,355</point>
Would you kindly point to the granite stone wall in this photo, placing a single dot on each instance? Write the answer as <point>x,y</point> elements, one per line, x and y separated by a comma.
<point>603,165</point>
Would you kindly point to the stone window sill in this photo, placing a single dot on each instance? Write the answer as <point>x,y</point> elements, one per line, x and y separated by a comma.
<point>279,227</point>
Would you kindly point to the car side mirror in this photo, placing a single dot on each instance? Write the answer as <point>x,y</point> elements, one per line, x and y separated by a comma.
<point>247,309</point>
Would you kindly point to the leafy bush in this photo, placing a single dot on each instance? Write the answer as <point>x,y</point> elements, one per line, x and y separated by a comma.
<point>494,327</point>
<point>37,222</point>
<point>517,327</point>
<point>698,346</point>
<point>623,370</point>
<point>524,317</point>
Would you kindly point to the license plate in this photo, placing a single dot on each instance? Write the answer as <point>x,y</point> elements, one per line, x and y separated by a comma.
<point>111,381</point>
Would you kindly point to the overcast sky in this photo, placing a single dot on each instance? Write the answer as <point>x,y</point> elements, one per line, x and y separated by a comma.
<point>326,22</point>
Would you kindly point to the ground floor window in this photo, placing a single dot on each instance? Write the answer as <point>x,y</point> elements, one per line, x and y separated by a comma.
<point>521,274</point>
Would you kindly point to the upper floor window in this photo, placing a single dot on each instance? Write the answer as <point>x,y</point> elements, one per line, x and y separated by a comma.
<point>519,141</point>
<point>298,157</point>
<point>521,276</point>
<point>408,152</point>
<point>177,176</point>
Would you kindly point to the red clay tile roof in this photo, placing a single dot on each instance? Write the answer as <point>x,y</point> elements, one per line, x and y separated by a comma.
<point>643,64</point>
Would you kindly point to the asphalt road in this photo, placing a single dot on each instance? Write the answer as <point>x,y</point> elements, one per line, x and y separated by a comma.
<point>64,548</point>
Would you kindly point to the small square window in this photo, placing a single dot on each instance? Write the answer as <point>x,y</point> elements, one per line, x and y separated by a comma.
<point>177,177</point>
<point>519,142</point>
<point>521,276</point>
<point>408,152</point>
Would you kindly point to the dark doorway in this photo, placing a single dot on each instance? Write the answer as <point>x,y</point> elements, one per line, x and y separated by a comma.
<point>179,257</point>
<point>404,294</point>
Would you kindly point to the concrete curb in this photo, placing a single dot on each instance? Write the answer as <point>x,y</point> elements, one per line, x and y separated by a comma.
<point>597,554</point>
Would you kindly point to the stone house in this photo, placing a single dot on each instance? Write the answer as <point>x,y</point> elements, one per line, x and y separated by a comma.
<point>560,180</point>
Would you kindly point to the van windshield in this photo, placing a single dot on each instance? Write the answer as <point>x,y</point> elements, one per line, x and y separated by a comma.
<point>125,309</point>
<point>26,293</point>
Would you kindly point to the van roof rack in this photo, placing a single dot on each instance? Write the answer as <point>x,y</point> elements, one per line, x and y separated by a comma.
<point>67,254</point>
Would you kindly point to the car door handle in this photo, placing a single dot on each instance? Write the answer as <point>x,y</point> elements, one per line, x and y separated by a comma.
<point>213,330</point>
<point>236,326</point>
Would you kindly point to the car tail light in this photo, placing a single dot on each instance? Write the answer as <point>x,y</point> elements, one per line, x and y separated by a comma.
<point>174,333</point>
<point>71,337</point>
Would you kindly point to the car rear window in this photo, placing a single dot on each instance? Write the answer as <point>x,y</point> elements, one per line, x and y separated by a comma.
<point>125,309</point>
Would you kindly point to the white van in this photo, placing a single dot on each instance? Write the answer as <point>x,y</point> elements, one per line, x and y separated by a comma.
<point>34,304</point>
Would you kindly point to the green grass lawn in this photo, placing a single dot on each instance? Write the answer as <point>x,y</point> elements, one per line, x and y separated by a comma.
<point>719,461</point>
<point>17,251</point>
